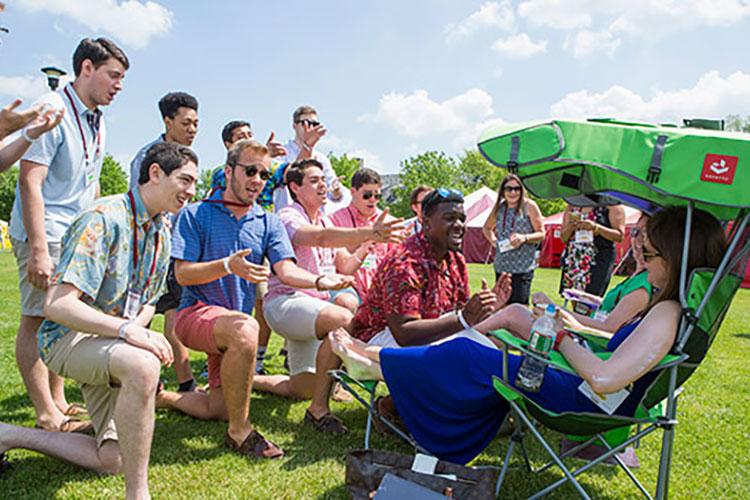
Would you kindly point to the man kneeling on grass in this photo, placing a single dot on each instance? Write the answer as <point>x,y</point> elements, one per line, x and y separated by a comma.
<point>112,270</point>
<point>219,245</point>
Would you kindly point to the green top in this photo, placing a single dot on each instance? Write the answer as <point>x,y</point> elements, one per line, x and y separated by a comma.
<point>613,297</point>
<point>642,165</point>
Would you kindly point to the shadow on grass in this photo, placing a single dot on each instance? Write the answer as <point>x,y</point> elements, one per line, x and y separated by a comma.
<point>745,336</point>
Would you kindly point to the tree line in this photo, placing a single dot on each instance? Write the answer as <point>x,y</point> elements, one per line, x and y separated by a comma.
<point>467,172</point>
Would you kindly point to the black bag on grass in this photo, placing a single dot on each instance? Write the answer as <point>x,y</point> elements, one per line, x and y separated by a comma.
<point>365,470</point>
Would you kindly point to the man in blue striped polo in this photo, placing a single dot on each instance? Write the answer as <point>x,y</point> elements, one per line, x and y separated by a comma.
<point>218,245</point>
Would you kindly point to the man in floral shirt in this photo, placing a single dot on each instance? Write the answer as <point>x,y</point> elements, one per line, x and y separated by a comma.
<point>420,293</point>
<point>112,270</point>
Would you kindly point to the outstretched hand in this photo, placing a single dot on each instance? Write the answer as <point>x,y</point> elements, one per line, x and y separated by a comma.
<point>254,273</point>
<point>44,123</point>
<point>274,148</point>
<point>12,120</point>
<point>388,231</point>
<point>312,134</point>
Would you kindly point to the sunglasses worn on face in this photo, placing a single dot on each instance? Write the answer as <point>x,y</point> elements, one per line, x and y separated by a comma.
<point>635,232</point>
<point>511,189</point>
<point>369,194</point>
<point>309,123</point>
<point>252,170</point>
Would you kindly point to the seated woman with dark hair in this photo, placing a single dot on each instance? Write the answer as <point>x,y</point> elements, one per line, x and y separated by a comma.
<point>444,393</point>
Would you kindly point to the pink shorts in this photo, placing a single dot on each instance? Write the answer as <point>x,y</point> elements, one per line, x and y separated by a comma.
<point>194,326</point>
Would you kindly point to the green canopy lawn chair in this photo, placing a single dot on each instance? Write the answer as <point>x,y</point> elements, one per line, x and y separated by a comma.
<point>645,166</point>
<point>369,387</point>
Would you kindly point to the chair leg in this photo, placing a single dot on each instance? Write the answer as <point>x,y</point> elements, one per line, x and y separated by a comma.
<point>368,427</point>
<point>504,469</point>
<point>551,453</point>
<point>596,461</point>
<point>665,463</point>
<point>625,467</point>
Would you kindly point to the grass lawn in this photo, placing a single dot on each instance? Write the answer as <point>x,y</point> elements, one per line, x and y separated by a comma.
<point>188,458</point>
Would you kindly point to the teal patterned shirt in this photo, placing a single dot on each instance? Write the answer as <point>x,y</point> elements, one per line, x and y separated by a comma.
<point>97,259</point>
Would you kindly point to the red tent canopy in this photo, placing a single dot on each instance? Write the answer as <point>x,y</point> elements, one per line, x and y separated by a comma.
<point>478,206</point>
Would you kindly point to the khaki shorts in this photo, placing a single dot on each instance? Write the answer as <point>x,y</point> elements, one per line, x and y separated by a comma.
<point>32,298</point>
<point>293,317</point>
<point>85,359</point>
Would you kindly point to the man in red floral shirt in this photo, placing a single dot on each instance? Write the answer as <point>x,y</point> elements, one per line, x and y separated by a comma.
<point>420,293</point>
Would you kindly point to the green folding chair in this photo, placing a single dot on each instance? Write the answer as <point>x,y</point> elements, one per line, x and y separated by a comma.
<point>604,162</point>
<point>369,387</point>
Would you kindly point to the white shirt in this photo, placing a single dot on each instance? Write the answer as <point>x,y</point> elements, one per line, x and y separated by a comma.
<point>281,196</point>
<point>71,182</point>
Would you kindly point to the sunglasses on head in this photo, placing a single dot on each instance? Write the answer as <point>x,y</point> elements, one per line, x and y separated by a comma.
<point>511,189</point>
<point>309,123</point>
<point>252,170</point>
<point>369,194</point>
<point>447,193</point>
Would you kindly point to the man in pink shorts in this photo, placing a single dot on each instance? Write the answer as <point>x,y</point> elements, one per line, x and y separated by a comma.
<point>219,245</point>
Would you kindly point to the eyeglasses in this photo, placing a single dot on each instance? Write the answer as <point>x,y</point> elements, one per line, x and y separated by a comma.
<point>635,232</point>
<point>369,194</point>
<point>447,193</point>
<point>252,170</point>
<point>647,256</point>
<point>511,189</point>
<point>309,123</point>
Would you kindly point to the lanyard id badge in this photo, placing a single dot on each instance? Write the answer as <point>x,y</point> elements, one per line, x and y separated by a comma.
<point>607,402</point>
<point>327,270</point>
<point>132,303</point>
<point>504,245</point>
<point>89,172</point>
<point>584,236</point>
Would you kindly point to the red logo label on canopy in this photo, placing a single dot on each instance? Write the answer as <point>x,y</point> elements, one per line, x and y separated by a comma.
<point>719,168</point>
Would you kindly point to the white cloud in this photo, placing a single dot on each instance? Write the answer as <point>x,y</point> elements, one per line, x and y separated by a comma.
<point>519,46</point>
<point>371,160</point>
<point>450,125</point>
<point>586,43</point>
<point>130,21</point>
<point>490,15</point>
<point>558,14</point>
<point>711,97</point>
<point>643,18</point>
<point>416,115</point>
<point>26,87</point>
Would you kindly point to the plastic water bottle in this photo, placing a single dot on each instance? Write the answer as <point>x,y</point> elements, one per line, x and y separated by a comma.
<point>542,340</point>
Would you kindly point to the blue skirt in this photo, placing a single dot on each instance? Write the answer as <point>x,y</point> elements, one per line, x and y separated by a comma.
<point>444,395</point>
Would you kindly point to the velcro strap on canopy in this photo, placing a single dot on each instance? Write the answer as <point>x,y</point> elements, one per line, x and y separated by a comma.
<point>654,169</point>
<point>515,146</point>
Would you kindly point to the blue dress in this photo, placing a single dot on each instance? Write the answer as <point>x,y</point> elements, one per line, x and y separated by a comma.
<point>444,393</point>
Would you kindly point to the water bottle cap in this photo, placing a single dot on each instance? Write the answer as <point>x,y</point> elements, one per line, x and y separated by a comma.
<point>550,310</point>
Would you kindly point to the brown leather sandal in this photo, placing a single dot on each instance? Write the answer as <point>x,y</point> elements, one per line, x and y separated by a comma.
<point>329,423</point>
<point>254,446</point>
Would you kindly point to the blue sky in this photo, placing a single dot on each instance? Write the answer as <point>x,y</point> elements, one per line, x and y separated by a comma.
<point>393,79</point>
